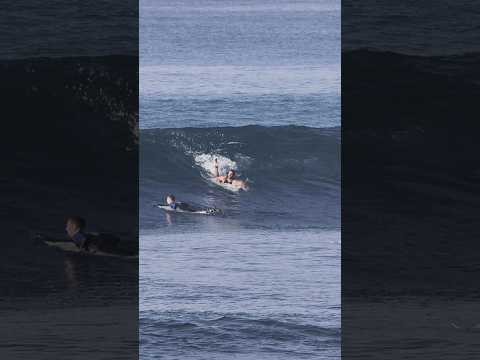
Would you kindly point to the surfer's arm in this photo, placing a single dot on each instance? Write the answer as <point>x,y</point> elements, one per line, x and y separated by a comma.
<point>217,174</point>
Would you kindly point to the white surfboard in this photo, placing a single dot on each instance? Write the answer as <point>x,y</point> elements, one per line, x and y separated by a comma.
<point>209,211</point>
<point>69,246</point>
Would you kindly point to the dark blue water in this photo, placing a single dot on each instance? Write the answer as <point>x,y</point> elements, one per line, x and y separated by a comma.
<point>257,86</point>
<point>58,28</point>
<point>442,28</point>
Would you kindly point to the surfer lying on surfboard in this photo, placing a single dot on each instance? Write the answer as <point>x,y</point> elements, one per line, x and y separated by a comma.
<point>230,178</point>
<point>173,205</point>
<point>85,242</point>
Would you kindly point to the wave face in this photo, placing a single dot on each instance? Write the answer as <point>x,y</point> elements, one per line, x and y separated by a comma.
<point>293,173</point>
<point>71,127</point>
<point>409,126</point>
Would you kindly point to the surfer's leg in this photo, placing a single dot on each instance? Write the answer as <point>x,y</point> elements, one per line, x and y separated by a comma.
<point>185,207</point>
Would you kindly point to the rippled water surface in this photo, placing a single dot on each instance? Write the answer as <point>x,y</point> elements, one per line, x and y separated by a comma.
<point>240,295</point>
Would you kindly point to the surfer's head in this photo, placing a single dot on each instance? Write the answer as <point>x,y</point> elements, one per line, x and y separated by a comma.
<point>170,199</point>
<point>231,174</point>
<point>75,224</point>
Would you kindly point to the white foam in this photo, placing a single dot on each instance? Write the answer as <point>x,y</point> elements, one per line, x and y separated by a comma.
<point>207,163</point>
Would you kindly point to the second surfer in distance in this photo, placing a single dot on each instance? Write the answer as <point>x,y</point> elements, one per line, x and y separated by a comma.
<point>230,178</point>
<point>173,205</point>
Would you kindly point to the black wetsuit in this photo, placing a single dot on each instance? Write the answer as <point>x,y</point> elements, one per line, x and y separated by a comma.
<point>181,206</point>
<point>81,240</point>
<point>93,242</point>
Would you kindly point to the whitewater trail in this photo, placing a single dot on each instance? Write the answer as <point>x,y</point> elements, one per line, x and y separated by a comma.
<point>207,164</point>
<point>283,167</point>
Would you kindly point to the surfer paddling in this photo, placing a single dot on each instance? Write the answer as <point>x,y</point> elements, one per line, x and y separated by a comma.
<point>176,205</point>
<point>230,178</point>
<point>173,205</point>
<point>93,243</point>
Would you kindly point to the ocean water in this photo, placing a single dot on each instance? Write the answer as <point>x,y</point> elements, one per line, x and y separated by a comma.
<point>240,294</point>
<point>211,63</point>
<point>56,28</point>
<point>259,280</point>
<point>256,86</point>
<point>423,58</point>
<point>411,27</point>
